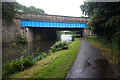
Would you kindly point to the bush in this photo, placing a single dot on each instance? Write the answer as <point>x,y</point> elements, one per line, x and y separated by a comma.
<point>16,65</point>
<point>19,65</point>
<point>73,38</point>
<point>21,38</point>
<point>44,55</point>
<point>39,58</point>
<point>61,45</point>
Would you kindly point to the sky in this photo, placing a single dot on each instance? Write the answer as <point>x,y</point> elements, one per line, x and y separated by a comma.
<point>56,7</point>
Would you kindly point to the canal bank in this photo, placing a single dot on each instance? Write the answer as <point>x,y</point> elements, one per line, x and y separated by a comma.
<point>54,66</point>
<point>26,61</point>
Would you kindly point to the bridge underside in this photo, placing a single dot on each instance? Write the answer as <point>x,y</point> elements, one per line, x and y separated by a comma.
<point>43,34</point>
<point>35,34</point>
<point>45,30</point>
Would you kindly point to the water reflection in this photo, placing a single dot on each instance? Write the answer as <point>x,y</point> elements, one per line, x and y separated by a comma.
<point>13,50</point>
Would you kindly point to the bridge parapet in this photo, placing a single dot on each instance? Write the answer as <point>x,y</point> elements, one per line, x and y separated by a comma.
<point>51,18</point>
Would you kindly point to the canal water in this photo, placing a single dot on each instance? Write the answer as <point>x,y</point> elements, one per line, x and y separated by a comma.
<point>12,51</point>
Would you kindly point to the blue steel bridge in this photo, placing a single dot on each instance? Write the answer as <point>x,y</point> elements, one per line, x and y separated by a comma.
<point>44,26</point>
<point>30,23</point>
<point>51,21</point>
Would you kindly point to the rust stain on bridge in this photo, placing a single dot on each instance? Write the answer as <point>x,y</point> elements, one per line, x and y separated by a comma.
<point>52,18</point>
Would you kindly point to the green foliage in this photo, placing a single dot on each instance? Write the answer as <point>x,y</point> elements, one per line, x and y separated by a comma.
<point>61,45</point>
<point>107,9</point>
<point>44,55</point>
<point>73,37</point>
<point>21,38</point>
<point>39,57</point>
<point>59,33</point>
<point>16,65</point>
<point>104,22</point>
<point>21,64</point>
<point>74,33</point>
<point>23,9</point>
<point>8,11</point>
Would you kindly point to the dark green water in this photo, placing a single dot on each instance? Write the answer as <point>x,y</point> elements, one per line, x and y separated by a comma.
<point>12,51</point>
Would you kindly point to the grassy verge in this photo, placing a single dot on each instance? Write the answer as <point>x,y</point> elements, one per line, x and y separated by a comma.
<point>54,66</point>
<point>17,65</point>
<point>112,56</point>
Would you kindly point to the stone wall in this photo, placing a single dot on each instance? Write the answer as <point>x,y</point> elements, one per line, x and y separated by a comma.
<point>87,32</point>
<point>9,32</point>
<point>54,18</point>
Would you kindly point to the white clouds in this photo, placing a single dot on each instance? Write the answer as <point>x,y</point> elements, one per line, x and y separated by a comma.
<point>56,7</point>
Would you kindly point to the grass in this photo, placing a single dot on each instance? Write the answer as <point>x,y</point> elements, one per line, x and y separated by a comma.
<point>112,56</point>
<point>17,65</point>
<point>53,66</point>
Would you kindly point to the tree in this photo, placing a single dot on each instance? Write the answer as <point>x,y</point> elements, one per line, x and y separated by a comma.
<point>31,9</point>
<point>104,21</point>
<point>8,11</point>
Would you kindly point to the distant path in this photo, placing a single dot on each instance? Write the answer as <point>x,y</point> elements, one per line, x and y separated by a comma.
<point>90,64</point>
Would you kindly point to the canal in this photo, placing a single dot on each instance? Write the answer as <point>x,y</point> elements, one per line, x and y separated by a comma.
<point>11,51</point>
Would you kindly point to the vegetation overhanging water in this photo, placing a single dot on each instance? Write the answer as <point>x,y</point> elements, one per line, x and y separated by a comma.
<point>22,63</point>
